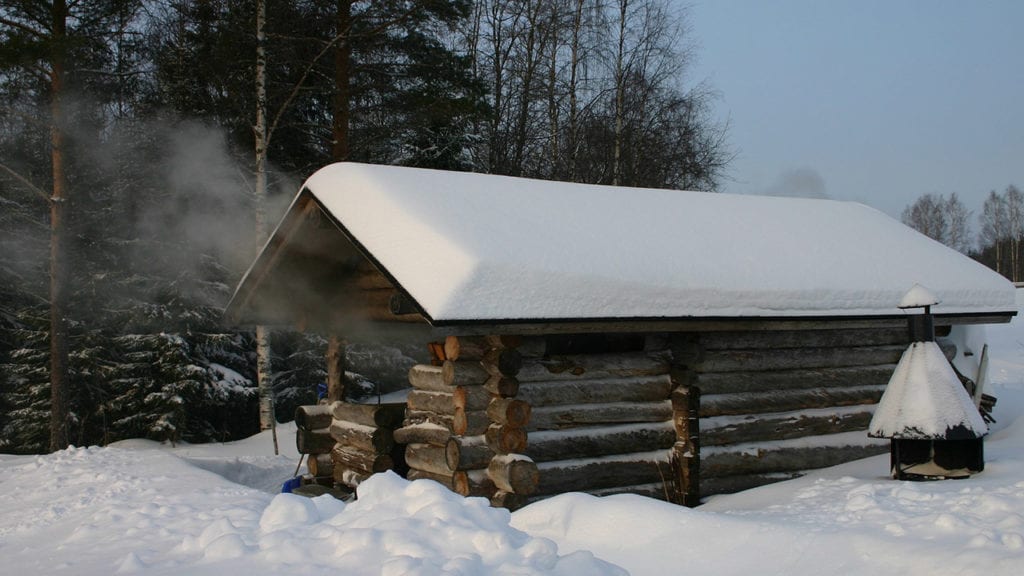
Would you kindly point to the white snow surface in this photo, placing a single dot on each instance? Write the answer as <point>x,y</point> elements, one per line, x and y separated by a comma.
<point>918,297</point>
<point>472,246</point>
<point>142,508</point>
<point>924,399</point>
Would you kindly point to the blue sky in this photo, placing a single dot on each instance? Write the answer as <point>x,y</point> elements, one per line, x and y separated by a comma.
<point>877,102</point>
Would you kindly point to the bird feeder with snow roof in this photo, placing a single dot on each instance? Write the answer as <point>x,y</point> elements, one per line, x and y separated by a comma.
<point>935,429</point>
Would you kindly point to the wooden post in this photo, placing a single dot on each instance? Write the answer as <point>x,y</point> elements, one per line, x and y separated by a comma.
<point>685,459</point>
<point>335,369</point>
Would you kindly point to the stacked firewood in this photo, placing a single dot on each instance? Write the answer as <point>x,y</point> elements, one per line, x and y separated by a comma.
<point>464,427</point>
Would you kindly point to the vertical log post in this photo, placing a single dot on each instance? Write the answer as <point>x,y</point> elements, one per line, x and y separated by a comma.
<point>686,451</point>
<point>335,369</point>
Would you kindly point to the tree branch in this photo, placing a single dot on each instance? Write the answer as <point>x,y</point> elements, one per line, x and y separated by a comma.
<point>25,182</point>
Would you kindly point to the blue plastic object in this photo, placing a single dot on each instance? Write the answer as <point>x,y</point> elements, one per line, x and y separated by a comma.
<point>321,391</point>
<point>291,484</point>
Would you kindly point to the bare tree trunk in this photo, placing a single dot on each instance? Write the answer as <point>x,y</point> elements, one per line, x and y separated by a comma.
<point>264,374</point>
<point>59,412</point>
<point>574,63</point>
<point>342,84</point>
<point>620,93</point>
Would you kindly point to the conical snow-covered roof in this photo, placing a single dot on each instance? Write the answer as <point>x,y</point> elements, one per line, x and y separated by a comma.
<point>925,400</point>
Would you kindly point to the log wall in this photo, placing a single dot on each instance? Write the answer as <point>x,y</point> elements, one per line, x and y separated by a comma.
<point>679,416</point>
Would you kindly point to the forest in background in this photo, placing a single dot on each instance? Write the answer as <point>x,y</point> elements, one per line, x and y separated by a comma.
<point>133,192</point>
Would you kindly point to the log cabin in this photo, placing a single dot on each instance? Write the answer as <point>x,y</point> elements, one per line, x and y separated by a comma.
<point>601,339</point>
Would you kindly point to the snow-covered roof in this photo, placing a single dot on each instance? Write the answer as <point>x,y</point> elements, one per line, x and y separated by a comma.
<point>924,399</point>
<point>475,247</point>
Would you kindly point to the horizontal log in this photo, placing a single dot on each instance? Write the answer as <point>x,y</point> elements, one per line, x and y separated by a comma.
<point>427,377</point>
<point>571,416</point>
<point>471,397</point>
<point>721,430</point>
<point>313,417</point>
<point>437,354</point>
<point>428,458</point>
<point>470,422</point>
<point>468,453</point>
<point>475,347</point>
<point>366,438</point>
<point>593,474</point>
<point>803,358</point>
<point>457,482</point>
<point>429,401</point>
<point>505,362</point>
<point>317,441</point>
<point>464,373</point>
<point>418,417</point>
<point>508,500</point>
<point>348,476</point>
<point>389,415</point>
<point>513,473</point>
<point>509,412</point>
<point>320,465</point>
<point>425,433</point>
<point>360,460</point>
<point>656,490</point>
<point>804,339</point>
<point>371,280</point>
<point>737,382</point>
<point>504,386</point>
<point>369,305</point>
<point>788,455</point>
<point>787,400</point>
<point>591,366</point>
<point>596,391</point>
<point>506,439</point>
<point>600,441</point>
<point>733,484</point>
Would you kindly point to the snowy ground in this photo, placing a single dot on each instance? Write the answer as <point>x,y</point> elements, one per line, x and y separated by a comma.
<point>140,507</point>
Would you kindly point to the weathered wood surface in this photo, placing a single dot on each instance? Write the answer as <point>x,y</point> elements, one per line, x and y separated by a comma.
<point>348,476</point>
<point>575,475</point>
<point>787,400</point>
<point>476,347</point>
<point>417,417</point>
<point>470,422</point>
<point>367,438</point>
<point>504,386</point>
<point>718,431</point>
<point>739,382</point>
<point>508,500</point>
<point>600,441</point>
<point>804,339</point>
<point>787,455</point>
<point>597,391</point>
<point>313,417</point>
<point>464,373</point>
<point>428,401</point>
<point>425,433</point>
<point>796,358</point>
<point>388,415</point>
<point>506,439</point>
<point>427,377</point>
<point>591,366</point>
<point>509,412</point>
<point>317,441</point>
<point>336,362</point>
<point>457,482</point>
<point>514,473</point>
<point>505,362</point>
<point>571,416</point>
<point>361,460</point>
<point>370,280</point>
<point>803,358</point>
<point>732,484</point>
<point>471,397</point>
<point>684,462</point>
<point>468,453</point>
<point>428,458</point>
<point>320,465</point>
